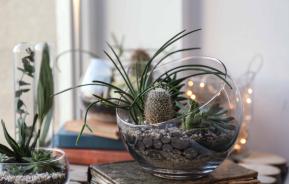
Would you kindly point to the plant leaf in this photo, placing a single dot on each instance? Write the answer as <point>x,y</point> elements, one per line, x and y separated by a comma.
<point>12,143</point>
<point>19,92</point>
<point>5,150</point>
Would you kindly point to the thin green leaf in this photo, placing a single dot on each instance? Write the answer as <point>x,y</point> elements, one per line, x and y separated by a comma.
<point>12,143</point>
<point>5,150</point>
<point>85,120</point>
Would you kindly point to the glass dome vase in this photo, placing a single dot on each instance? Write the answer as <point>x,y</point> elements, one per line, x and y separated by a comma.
<point>171,149</point>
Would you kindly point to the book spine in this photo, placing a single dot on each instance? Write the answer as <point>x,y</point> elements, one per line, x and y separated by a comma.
<point>87,142</point>
<point>95,156</point>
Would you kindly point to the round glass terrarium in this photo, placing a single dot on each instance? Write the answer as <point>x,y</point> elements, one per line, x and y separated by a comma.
<point>43,172</point>
<point>200,137</point>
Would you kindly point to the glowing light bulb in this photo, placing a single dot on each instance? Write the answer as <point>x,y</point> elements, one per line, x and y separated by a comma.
<point>243,141</point>
<point>189,93</point>
<point>250,90</point>
<point>248,100</point>
<point>190,83</point>
<point>193,96</point>
<point>237,147</point>
<point>202,84</point>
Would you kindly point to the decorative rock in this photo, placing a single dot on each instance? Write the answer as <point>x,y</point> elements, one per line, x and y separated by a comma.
<point>155,155</point>
<point>180,143</point>
<point>157,144</point>
<point>141,146</point>
<point>167,148</point>
<point>165,139</point>
<point>190,153</point>
<point>148,142</point>
<point>42,178</point>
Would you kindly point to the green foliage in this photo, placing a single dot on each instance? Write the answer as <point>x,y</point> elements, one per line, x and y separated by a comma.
<point>25,152</point>
<point>24,149</point>
<point>3,157</point>
<point>45,90</point>
<point>41,161</point>
<point>132,99</point>
<point>26,143</point>
<point>214,116</point>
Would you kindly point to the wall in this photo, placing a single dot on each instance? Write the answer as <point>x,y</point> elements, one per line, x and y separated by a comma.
<point>143,23</point>
<point>31,21</point>
<point>236,31</point>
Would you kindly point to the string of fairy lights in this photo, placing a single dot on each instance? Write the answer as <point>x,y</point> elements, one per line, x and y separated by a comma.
<point>246,91</point>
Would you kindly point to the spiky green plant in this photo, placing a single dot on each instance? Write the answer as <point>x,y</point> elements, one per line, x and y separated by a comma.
<point>213,116</point>
<point>158,106</point>
<point>132,99</point>
<point>25,151</point>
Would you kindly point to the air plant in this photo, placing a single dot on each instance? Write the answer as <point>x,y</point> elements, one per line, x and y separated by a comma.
<point>133,99</point>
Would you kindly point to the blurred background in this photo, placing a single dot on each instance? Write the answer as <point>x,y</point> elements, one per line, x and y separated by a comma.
<point>235,32</point>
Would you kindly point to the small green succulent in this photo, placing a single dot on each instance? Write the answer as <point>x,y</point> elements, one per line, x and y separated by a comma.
<point>213,116</point>
<point>24,151</point>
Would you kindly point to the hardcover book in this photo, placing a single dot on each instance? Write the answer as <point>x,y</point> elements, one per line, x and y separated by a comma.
<point>67,139</point>
<point>131,173</point>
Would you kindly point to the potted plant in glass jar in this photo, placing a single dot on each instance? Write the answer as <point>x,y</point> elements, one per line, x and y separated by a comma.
<point>178,119</point>
<point>22,160</point>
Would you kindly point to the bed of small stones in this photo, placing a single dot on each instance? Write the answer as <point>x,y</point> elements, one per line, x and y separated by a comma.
<point>42,178</point>
<point>173,147</point>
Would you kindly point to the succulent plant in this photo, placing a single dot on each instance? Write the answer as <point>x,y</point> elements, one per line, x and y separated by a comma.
<point>214,117</point>
<point>24,151</point>
<point>158,106</point>
<point>133,98</point>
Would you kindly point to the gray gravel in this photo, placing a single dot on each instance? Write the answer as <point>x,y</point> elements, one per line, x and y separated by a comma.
<point>174,148</point>
<point>42,178</point>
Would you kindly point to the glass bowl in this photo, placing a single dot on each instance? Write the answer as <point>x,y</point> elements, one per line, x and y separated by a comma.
<point>44,172</point>
<point>171,150</point>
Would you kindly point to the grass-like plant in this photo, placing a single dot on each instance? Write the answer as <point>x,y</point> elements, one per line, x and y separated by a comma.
<point>132,99</point>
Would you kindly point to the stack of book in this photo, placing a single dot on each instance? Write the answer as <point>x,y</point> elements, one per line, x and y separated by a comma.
<point>103,145</point>
<point>131,173</point>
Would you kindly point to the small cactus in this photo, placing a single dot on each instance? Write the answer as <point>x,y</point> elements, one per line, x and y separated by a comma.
<point>158,106</point>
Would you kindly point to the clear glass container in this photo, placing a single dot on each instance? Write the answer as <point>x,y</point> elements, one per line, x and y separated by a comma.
<point>169,149</point>
<point>32,64</point>
<point>43,172</point>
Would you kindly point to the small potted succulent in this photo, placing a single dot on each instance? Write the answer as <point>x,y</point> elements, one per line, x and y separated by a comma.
<point>178,119</point>
<point>21,162</point>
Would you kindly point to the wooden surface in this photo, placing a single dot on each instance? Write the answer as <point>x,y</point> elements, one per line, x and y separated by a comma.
<point>228,172</point>
<point>267,164</point>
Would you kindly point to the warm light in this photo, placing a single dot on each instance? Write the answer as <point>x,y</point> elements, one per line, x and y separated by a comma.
<point>250,90</point>
<point>237,99</point>
<point>248,100</point>
<point>237,147</point>
<point>243,141</point>
<point>202,84</point>
<point>193,97</point>
<point>190,83</point>
<point>189,93</point>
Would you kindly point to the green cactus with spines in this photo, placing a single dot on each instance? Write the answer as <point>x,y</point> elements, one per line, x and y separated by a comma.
<point>158,106</point>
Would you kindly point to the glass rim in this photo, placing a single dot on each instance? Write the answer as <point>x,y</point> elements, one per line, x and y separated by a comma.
<point>62,156</point>
<point>202,106</point>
